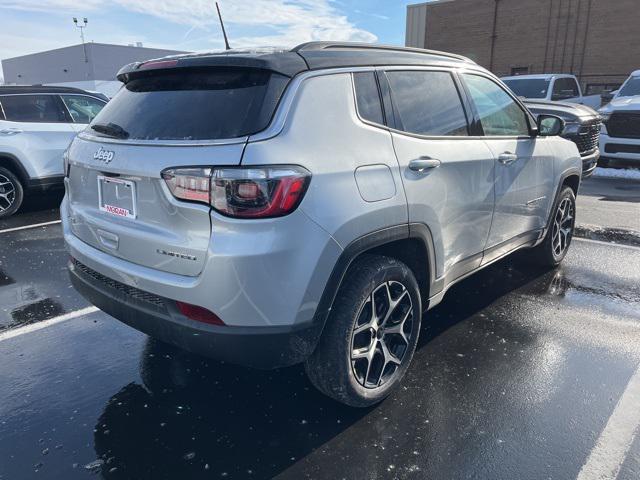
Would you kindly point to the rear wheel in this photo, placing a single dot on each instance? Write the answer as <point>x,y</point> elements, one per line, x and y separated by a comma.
<point>371,334</point>
<point>11,193</point>
<point>560,233</point>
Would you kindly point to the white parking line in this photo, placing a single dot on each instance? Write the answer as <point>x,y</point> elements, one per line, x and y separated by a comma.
<point>605,244</point>
<point>608,455</point>
<point>16,332</point>
<point>25,227</point>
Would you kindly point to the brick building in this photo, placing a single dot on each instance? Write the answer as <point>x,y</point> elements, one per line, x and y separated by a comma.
<point>596,40</point>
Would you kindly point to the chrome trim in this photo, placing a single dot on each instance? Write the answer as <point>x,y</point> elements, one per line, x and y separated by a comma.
<point>86,135</point>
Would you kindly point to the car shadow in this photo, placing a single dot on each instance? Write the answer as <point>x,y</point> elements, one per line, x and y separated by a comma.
<point>193,417</point>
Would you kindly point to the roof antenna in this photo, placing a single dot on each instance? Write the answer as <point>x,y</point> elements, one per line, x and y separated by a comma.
<point>224,32</point>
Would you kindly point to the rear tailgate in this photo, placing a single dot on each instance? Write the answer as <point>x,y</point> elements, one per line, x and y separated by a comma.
<point>163,233</point>
<point>161,119</point>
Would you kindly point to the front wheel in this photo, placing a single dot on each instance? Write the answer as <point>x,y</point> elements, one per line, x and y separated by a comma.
<point>560,232</point>
<point>371,333</point>
<point>11,193</point>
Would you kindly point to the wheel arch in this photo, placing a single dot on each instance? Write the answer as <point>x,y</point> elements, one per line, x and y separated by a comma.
<point>410,243</point>
<point>570,178</point>
<point>11,163</point>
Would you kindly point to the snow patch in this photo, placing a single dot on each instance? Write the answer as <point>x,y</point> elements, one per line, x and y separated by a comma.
<point>617,173</point>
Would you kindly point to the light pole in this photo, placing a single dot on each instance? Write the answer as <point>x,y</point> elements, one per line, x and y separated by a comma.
<point>82,27</point>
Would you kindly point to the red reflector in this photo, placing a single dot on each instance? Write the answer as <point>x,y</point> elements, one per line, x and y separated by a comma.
<point>199,314</point>
<point>159,64</point>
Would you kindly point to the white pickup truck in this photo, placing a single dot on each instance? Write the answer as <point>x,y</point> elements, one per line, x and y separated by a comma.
<point>554,87</point>
<point>620,138</point>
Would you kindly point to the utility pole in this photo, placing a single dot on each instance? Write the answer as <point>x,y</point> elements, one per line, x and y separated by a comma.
<point>82,27</point>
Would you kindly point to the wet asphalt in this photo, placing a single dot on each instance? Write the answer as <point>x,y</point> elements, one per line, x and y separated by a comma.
<point>517,374</point>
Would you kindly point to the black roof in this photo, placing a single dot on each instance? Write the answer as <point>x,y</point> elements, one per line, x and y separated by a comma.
<point>15,89</point>
<point>307,56</point>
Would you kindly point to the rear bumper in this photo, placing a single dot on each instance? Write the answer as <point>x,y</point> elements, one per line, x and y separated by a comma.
<point>620,148</point>
<point>257,347</point>
<point>589,163</point>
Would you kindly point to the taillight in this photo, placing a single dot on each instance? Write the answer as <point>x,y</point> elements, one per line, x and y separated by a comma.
<point>193,184</point>
<point>65,163</point>
<point>245,192</point>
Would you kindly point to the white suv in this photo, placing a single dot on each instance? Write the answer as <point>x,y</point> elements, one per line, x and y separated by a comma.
<point>36,126</point>
<point>620,137</point>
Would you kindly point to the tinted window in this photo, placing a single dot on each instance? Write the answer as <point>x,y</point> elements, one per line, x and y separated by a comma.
<point>565,88</point>
<point>367,97</point>
<point>82,108</point>
<point>529,88</point>
<point>631,88</point>
<point>33,108</point>
<point>499,114</point>
<point>427,103</point>
<point>195,105</point>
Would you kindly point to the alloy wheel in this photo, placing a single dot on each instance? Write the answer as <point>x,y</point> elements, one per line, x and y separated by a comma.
<point>7,193</point>
<point>562,227</point>
<point>381,336</point>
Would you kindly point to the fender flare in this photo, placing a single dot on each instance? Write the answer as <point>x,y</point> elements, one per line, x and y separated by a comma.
<point>417,231</point>
<point>568,173</point>
<point>18,168</point>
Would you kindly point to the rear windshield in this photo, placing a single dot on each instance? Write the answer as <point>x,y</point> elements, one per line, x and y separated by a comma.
<point>529,88</point>
<point>194,105</point>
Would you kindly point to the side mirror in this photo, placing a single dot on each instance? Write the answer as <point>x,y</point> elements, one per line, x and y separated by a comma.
<point>550,125</point>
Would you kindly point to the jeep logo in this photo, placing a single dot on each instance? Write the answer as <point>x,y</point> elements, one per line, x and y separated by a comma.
<point>104,155</point>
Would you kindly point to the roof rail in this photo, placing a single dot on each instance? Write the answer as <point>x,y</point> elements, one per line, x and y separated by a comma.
<point>372,46</point>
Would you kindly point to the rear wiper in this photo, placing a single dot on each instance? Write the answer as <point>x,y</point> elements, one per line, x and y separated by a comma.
<point>111,130</point>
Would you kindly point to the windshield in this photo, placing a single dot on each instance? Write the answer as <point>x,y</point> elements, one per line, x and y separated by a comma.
<point>630,88</point>
<point>202,104</point>
<point>529,87</point>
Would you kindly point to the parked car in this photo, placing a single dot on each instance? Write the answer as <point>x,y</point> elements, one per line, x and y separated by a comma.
<point>620,138</point>
<point>308,205</point>
<point>582,127</point>
<point>606,97</point>
<point>36,126</point>
<point>554,87</point>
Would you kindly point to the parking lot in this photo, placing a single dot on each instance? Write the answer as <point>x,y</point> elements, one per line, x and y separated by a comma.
<point>520,373</point>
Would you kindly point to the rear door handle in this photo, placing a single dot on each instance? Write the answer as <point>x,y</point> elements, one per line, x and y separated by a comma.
<point>507,158</point>
<point>423,164</point>
<point>10,131</point>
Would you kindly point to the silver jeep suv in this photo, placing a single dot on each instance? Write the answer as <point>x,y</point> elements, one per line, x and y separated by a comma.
<point>309,205</point>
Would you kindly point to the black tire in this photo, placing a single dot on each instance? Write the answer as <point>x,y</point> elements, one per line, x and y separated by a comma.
<point>11,193</point>
<point>330,367</point>
<point>548,252</point>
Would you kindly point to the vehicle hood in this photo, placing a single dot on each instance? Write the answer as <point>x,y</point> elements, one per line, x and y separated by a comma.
<point>622,103</point>
<point>567,111</point>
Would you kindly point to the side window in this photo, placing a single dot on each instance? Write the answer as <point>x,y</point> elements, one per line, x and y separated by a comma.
<point>33,108</point>
<point>564,88</point>
<point>499,114</point>
<point>368,97</point>
<point>82,108</point>
<point>427,103</point>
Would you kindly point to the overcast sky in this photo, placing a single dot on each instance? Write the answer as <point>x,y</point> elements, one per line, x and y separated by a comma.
<point>30,26</point>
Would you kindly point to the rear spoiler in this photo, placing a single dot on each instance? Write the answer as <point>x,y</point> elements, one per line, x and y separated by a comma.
<point>288,64</point>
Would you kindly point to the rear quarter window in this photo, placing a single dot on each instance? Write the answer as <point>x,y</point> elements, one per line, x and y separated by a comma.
<point>368,97</point>
<point>33,108</point>
<point>192,104</point>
